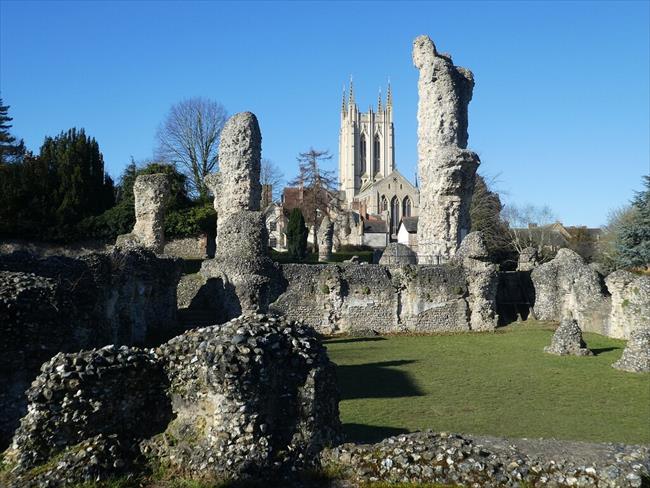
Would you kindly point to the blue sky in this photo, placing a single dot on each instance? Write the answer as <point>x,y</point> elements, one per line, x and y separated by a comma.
<point>561,107</point>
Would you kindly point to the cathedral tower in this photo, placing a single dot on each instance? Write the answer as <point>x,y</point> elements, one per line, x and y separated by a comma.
<point>366,144</point>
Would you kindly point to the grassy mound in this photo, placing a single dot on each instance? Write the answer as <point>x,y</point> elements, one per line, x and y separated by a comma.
<point>499,383</point>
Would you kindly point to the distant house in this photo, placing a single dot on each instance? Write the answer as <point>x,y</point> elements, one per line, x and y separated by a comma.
<point>407,233</point>
<point>375,233</point>
<point>276,225</point>
<point>553,237</point>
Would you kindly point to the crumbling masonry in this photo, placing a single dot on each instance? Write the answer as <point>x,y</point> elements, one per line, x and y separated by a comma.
<point>445,167</point>
<point>150,192</point>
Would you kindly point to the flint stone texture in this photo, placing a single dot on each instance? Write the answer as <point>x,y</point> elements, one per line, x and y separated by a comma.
<point>458,460</point>
<point>445,167</point>
<point>325,239</point>
<point>251,396</point>
<point>237,186</point>
<point>567,287</point>
<point>61,304</point>
<point>482,281</point>
<point>241,278</point>
<point>528,259</point>
<point>356,298</point>
<point>630,303</point>
<point>110,391</point>
<point>567,340</point>
<point>396,254</point>
<point>636,355</point>
<point>150,192</point>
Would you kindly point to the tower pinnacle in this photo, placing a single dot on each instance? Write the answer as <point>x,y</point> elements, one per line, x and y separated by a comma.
<point>379,102</point>
<point>389,97</point>
<point>351,94</point>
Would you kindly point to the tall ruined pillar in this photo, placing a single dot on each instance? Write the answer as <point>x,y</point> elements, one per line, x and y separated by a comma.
<point>149,192</point>
<point>446,169</point>
<point>237,185</point>
<point>240,277</point>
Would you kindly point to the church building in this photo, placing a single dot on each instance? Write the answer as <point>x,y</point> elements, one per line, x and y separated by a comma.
<point>370,183</point>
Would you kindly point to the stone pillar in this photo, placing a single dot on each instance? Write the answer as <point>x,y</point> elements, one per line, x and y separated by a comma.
<point>446,169</point>
<point>237,186</point>
<point>150,192</point>
<point>325,239</point>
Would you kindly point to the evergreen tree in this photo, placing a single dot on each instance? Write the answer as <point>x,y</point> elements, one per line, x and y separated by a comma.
<point>634,238</point>
<point>297,235</point>
<point>81,187</point>
<point>10,150</point>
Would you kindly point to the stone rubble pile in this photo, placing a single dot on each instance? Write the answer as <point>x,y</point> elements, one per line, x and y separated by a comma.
<point>427,457</point>
<point>636,355</point>
<point>253,397</point>
<point>567,340</point>
<point>115,392</point>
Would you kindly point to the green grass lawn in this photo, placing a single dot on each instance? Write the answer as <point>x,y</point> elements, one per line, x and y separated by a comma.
<point>498,383</point>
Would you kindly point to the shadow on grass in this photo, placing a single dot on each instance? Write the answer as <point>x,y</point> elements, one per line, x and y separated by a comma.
<point>370,433</point>
<point>376,380</point>
<point>354,339</point>
<point>599,350</point>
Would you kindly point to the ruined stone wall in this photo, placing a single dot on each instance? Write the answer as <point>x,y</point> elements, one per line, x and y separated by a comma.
<point>190,247</point>
<point>358,298</point>
<point>567,287</point>
<point>64,304</point>
<point>630,303</point>
<point>446,169</point>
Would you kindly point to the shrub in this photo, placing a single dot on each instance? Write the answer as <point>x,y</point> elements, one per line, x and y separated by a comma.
<point>188,222</point>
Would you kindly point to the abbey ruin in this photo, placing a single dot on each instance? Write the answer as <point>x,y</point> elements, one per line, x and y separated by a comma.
<point>99,377</point>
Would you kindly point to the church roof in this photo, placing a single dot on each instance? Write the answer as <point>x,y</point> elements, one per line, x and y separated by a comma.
<point>374,227</point>
<point>386,180</point>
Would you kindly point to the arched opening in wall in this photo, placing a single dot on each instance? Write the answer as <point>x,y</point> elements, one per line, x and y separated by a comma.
<point>406,207</point>
<point>383,206</point>
<point>394,215</point>
<point>377,153</point>
<point>362,154</point>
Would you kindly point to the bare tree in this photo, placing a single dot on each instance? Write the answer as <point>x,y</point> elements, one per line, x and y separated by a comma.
<point>320,187</point>
<point>270,174</point>
<point>529,226</point>
<point>485,215</point>
<point>189,137</point>
<point>609,245</point>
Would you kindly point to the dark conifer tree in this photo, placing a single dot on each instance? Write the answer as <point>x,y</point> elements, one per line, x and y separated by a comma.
<point>10,150</point>
<point>297,235</point>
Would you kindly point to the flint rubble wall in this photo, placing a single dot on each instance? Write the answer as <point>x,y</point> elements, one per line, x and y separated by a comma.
<point>61,304</point>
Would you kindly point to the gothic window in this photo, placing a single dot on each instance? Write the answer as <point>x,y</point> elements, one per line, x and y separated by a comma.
<point>362,154</point>
<point>394,215</point>
<point>406,207</point>
<point>384,204</point>
<point>377,147</point>
<point>273,226</point>
<point>273,242</point>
